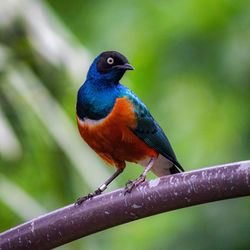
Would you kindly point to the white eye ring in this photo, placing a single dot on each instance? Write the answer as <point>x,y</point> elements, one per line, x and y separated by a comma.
<point>110,60</point>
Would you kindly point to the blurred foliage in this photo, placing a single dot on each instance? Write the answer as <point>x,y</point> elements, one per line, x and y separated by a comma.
<point>192,61</point>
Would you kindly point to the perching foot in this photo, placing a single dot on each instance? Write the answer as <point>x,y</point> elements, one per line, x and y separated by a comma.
<point>86,197</point>
<point>130,185</point>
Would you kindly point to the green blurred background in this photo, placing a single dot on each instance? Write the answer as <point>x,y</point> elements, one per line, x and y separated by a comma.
<point>192,61</point>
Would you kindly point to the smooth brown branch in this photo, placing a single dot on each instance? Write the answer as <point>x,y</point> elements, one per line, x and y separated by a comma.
<point>111,209</point>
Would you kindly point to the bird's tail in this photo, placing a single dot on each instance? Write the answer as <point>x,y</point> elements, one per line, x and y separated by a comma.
<point>163,166</point>
<point>178,165</point>
<point>174,170</point>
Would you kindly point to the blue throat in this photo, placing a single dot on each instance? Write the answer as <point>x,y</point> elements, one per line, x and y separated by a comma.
<point>97,96</point>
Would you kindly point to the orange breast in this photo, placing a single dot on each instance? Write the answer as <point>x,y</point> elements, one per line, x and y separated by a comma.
<point>112,139</point>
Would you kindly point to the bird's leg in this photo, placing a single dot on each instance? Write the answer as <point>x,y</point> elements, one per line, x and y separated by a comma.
<point>132,184</point>
<point>100,189</point>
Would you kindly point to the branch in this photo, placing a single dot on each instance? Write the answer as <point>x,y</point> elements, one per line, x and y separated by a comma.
<point>111,209</point>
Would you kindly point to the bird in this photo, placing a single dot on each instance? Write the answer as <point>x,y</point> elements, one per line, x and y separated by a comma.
<point>117,125</point>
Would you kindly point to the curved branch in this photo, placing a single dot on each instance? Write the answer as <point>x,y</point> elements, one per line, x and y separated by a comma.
<point>111,209</point>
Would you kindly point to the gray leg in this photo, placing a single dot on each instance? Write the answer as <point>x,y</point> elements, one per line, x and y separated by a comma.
<point>100,189</point>
<point>132,184</point>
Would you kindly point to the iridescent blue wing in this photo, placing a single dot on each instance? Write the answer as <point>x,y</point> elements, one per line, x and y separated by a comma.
<point>148,129</point>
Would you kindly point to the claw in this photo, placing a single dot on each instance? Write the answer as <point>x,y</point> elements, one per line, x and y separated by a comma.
<point>80,200</point>
<point>86,197</point>
<point>129,182</point>
<point>133,184</point>
<point>99,189</point>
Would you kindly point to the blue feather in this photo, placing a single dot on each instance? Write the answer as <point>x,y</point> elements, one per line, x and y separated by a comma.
<point>97,97</point>
<point>148,129</point>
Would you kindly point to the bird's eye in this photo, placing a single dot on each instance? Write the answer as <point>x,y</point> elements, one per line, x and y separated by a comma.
<point>110,60</point>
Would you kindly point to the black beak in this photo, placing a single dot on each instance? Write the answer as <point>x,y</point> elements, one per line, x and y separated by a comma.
<point>125,66</point>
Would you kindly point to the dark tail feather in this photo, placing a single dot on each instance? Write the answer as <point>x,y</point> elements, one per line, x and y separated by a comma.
<point>174,169</point>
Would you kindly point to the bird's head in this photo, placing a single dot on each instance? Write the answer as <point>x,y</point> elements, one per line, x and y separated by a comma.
<point>109,65</point>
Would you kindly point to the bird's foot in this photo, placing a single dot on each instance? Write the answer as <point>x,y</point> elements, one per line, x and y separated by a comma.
<point>130,185</point>
<point>80,200</point>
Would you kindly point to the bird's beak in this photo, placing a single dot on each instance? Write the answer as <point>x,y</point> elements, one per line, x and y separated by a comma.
<point>125,66</point>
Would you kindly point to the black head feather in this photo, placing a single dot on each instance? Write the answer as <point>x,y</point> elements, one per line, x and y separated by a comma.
<point>111,60</point>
